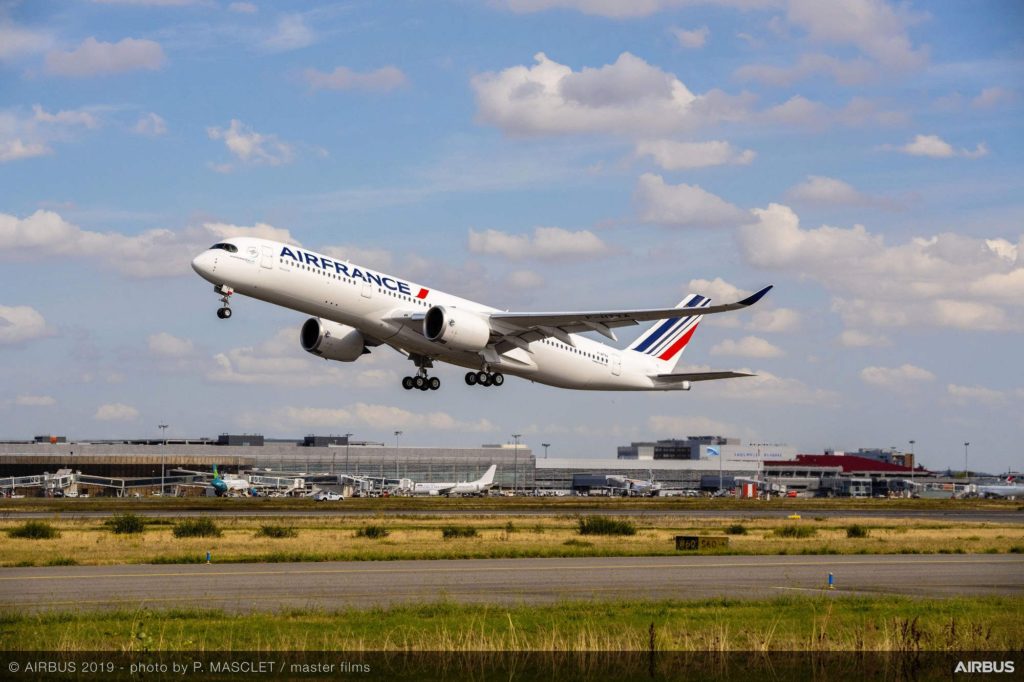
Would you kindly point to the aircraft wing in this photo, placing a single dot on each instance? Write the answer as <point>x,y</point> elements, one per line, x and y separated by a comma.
<point>535,326</point>
<point>702,376</point>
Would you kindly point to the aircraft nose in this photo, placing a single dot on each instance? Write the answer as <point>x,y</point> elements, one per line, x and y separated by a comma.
<point>201,264</point>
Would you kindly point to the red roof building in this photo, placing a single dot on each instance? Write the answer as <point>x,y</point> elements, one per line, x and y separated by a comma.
<point>849,464</point>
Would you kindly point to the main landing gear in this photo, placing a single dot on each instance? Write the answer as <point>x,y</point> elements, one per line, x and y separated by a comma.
<point>224,312</point>
<point>421,380</point>
<point>485,378</point>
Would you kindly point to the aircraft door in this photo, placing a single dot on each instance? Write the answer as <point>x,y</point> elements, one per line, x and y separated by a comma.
<point>367,290</point>
<point>267,259</point>
<point>616,364</point>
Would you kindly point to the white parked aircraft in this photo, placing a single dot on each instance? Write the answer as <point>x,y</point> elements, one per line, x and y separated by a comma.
<point>356,309</point>
<point>1009,489</point>
<point>480,485</point>
<point>634,486</point>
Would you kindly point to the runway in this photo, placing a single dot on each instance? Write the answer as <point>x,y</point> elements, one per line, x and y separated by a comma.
<point>338,509</point>
<point>337,585</point>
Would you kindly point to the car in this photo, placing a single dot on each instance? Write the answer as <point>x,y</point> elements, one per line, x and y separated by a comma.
<point>328,496</point>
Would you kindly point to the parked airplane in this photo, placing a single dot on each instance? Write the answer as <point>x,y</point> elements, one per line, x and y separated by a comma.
<point>1010,489</point>
<point>480,485</point>
<point>634,486</point>
<point>356,309</point>
<point>222,486</point>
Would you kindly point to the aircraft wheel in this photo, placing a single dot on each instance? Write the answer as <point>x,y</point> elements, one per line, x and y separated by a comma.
<point>435,383</point>
<point>419,382</point>
<point>407,383</point>
<point>483,379</point>
<point>425,386</point>
<point>224,313</point>
<point>498,379</point>
<point>470,378</point>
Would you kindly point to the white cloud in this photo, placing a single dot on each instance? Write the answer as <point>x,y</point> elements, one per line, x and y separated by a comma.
<point>990,98</point>
<point>21,323</point>
<point>343,78</point>
<point>818,189</point>
<point>748,346</point>
<point>250,147</point>
<point>24,136</point>
<point>691,39</point>
<point>966,395</point>
<point>853,338</point>
<point>665,426</point>
<point>672,155</point>
<point>853,72</point>
<point>1004,286</point>
<point>925,281</point>
<point>682,205</point>
<point>766,386</point>
<point>380,259</point>
<point>17,149</point>
<point>18,41</point>
<point>873,26</point>
<point>35,401</point>
<point>935,147</point>
<point>546,243</point>
<point>717,289</point>
<point>150,124</point>
<point>620,9</point>
<point>629,96</point>
<point>95,58</point>
<point>525,279</point>
<point>291,33</point>
<point>116,412</point>
<point>169,346</point>
<point>374,416</point>
<point>153,253</point>
<point>896,378</point>
<point>775,320</point>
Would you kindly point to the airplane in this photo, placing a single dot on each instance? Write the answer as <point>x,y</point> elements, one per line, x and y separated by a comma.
<point>634,486</point>
<point>1011,489</point>
<point>222,486</point>
<point>477,487</point>
<point>356,309</point>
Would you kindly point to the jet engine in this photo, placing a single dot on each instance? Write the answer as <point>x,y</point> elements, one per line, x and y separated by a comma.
<point>456,328</point>
<point>332,341</point>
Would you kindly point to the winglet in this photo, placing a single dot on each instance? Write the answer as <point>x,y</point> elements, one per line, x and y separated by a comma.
<point>754,298</point>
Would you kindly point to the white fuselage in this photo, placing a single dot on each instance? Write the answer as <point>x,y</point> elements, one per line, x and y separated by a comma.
<point>374,302</point>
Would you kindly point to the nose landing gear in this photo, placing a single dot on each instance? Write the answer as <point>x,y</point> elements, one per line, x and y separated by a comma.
<point>224,312</point>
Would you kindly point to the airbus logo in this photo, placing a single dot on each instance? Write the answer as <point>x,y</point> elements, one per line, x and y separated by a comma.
<point>986,667</point>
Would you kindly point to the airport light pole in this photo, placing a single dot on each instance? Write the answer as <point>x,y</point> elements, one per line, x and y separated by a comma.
<point>515,477</point>
<point>348,437</point>
<point>163,456</point>
<point>397,435</point>
<point>966,475</point>
<point>546,446</point>
<point>913,460</point>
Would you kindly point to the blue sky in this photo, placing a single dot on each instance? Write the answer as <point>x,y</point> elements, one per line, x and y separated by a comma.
<point>863,156</point>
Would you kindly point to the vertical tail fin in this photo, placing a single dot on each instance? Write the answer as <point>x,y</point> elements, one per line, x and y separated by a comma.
<point>667,339</point>
<point>488,477</point>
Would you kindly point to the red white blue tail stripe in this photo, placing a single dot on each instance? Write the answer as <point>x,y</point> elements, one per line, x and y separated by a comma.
<point>667,339</point>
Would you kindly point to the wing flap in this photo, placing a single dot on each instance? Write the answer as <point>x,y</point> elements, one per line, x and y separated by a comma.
<point>701,376</point>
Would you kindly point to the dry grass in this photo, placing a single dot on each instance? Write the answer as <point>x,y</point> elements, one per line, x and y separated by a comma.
<point>90,542</point>
<point>784,624</point>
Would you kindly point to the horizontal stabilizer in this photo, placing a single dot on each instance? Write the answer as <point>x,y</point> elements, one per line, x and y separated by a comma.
<point>702,376</point>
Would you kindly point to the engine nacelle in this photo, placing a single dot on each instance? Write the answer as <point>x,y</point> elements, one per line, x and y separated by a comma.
<point>456,328</point>
<point>685,386</point>
<point>332,341</point>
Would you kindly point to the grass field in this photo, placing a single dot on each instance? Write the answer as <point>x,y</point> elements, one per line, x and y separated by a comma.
<point>785,624</point>
<point>91,541</point>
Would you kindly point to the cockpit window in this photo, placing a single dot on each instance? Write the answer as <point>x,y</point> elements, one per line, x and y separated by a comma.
<point>230,248</point>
